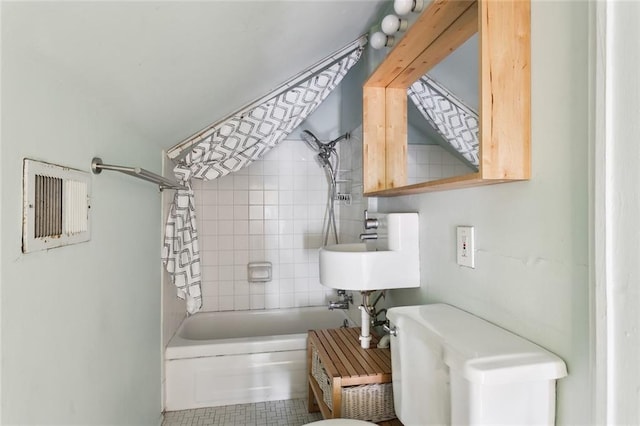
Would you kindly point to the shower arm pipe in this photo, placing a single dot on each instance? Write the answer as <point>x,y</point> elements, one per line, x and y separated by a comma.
<point>179,150</point>
<point>97,166</point>
<point>339,138</point>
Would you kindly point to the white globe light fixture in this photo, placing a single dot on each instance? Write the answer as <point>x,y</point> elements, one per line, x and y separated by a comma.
<point>392,24</point>
<point>402,7</point>
<point>379,40</point>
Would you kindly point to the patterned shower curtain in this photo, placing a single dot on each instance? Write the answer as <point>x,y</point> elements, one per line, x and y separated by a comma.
<point>456,122</point>
<point>228,147</point>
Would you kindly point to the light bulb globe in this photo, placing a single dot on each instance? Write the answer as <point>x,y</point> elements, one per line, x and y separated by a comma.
<point>379,40</point>
<point>390,24</point>
<point>402,7</point>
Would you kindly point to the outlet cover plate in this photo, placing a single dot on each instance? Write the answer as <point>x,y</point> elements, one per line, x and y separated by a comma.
<point>465,246</point>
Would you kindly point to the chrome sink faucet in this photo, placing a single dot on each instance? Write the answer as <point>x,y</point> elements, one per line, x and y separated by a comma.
<point>369,223</point>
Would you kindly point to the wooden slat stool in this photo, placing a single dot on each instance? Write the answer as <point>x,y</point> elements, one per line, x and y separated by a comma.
<point>346,380</point>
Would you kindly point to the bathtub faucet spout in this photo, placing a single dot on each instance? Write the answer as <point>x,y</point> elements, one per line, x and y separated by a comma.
<point>343,303</point>
<point>338,305</point>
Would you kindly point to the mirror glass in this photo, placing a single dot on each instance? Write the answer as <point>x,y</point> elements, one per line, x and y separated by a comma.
<point>430,155</point>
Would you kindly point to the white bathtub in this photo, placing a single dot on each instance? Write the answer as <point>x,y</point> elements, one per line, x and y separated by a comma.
<point>238,357</point>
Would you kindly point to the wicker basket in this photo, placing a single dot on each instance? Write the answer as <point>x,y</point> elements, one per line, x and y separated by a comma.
<point>372,403</point>
<point>319,373</point>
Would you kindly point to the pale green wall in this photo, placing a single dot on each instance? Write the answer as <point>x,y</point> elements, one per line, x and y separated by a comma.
<point>532,258</point>
<point>80,324</point>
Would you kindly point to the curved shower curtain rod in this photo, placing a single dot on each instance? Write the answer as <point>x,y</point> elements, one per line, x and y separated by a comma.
<point>179,150</point>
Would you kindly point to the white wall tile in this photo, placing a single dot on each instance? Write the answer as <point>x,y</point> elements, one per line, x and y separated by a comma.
<point>257,256</point>
<point>241,289</point>
<point>285,211</point>
<point>256,169</point>
<point>256,227</point>
<point>256,182</point>
<point>286,272</point>
<point>225,242</point>
<point>225,270</point>
<point>241,257</point>
<point>225,212</point>
<point>286,300</point>
<point>240,182</point>
<point>285,226</point>
<point>241,302</point>
<point>272,301</point>
<point>256,212</point>
<point>257,301</point>
<point>240,197</point>
<point>207,198</point>
<point>256,198</point>
<point>301,299</point>
<point>210,303</point>
<point>272,211</point>
<point>270,197</point>
<point>208,227</point>
<point>209,258</point>
<point>225,183</point>
<point>225,288</point>
<point>285,198</point>
<point>271,168</point>
<point>225,197</point>
<point>241,242</point>
<point>225,303</point>
<point>271,183</point>
<point>241,227</point>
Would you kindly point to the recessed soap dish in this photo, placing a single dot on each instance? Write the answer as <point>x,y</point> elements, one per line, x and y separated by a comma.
<point>259,272</point>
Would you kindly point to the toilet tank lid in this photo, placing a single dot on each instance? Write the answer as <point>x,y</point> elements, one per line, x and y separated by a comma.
<point>480,351</point>
<point>515,368</point>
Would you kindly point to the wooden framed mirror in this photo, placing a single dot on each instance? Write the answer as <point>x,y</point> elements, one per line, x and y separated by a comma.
<point>503,28</point>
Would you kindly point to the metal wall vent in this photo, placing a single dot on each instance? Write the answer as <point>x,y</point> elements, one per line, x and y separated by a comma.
<point>55,206</point>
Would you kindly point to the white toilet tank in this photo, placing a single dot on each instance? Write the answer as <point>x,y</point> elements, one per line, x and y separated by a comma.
<point>451,367</point>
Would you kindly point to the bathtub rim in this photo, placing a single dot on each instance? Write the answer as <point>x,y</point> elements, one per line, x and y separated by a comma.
<point>180,348</point>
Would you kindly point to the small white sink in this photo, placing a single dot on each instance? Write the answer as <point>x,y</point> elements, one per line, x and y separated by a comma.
<point>390,262</point>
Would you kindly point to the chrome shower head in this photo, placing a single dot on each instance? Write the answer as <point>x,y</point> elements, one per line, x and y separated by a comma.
<point>311,140</point>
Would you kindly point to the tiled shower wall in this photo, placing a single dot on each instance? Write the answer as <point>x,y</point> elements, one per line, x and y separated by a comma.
<point>271,211</point>
<point>274,211</point>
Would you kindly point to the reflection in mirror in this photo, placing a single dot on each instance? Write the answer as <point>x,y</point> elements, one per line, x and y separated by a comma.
<point>442,118</point>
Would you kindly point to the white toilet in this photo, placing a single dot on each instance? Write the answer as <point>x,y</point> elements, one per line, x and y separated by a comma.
<point>450,367</point>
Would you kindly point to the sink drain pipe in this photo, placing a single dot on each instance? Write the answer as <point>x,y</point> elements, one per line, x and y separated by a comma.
<point>367,312</point>
<point>365,335</point>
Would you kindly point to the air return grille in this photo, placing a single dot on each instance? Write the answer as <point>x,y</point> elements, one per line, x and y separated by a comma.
<point>56,206</point>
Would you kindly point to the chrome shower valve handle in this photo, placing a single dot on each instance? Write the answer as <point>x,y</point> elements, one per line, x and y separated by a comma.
<point>370,222</point>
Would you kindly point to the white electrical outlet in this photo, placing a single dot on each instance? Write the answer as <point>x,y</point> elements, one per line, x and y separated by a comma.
<point>465,246</point>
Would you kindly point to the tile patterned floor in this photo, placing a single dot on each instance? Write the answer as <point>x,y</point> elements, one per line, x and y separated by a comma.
<point>291,412</point>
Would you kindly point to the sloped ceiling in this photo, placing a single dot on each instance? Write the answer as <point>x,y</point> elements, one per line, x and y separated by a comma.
<point>171,68</point>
